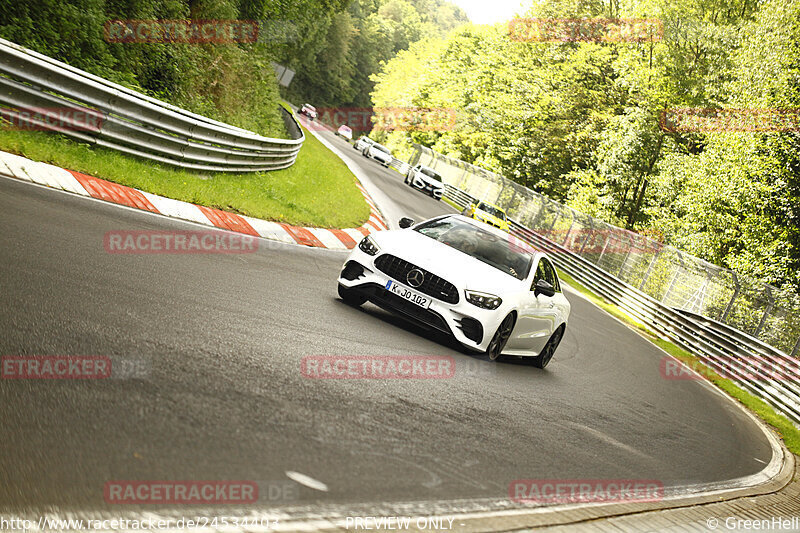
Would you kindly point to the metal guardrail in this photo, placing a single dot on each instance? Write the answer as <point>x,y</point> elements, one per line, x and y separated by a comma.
<point>134,123</point>
<point>399,165</point>
<point>755,366</point>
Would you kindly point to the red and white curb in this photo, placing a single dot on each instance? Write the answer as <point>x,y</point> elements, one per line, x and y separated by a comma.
<point>25,169</point>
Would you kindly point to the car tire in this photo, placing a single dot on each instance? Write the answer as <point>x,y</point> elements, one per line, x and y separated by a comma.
<point>351,296</point>
<point>501,336</point>
<point>546,355</point>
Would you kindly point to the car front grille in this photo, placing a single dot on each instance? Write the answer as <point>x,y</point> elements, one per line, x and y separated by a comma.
<point>433,285</point>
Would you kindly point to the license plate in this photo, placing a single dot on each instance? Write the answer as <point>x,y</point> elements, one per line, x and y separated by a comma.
<point>407,294</point>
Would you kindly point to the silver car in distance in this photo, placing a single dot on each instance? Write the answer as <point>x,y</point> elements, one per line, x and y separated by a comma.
<point>489,290</point>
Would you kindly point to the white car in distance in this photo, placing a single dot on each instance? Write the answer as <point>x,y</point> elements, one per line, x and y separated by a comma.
<point>425,179</point>
<point>309,110</point>
<point>362,143</point>
<point>345,132</point>
<point>379,153</point>
<point>490,291</point>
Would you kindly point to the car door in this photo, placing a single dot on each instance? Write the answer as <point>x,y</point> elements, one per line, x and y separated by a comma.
<point>560,304</point>
<point>537,313</point>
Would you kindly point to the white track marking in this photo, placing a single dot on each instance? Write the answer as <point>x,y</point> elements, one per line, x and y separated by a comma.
<point>327,238</point>
<point>177,209</point>
<point>307,481</point>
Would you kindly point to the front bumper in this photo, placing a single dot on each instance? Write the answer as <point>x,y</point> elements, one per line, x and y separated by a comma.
<point>436,192</point>
<point>468,324</point>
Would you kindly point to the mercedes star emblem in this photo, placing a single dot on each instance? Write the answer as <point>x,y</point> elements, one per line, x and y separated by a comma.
<point>415,278</point>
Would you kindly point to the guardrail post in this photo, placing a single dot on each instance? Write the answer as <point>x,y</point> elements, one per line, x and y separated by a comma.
<point>650,268</point>
<point>602,253</point>
<point>737,287</point>
<point>627,256</point>
<point>671,284</point>
<point>767,311</point>
<point>566,235</point>
<point>589,235</point>
<point>539,213</point>
<point>796,349</point>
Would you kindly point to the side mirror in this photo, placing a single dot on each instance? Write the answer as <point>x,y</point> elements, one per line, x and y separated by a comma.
<point>406,222</point>
<point>543,287</point>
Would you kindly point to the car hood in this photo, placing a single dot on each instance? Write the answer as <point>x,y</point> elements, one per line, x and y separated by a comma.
<point>460,269</point>
<point>487,216</point>
<point>430,181</point>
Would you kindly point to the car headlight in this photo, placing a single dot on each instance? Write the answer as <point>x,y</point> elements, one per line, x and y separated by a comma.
<point>368,246</point>
<point>484,300</point>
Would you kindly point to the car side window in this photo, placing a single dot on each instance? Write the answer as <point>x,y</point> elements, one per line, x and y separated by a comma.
<point>550,273</point>
<point>546,271</point>
<point>540,273</point>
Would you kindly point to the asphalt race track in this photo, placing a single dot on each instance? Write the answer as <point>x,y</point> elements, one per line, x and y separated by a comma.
<point>218,393</point>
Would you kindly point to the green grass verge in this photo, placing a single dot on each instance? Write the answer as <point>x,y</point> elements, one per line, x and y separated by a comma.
<point>782,425</point>
<point>318,190</point>
<point>452,203</point>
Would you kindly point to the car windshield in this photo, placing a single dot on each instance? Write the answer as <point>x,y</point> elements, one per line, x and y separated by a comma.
<point>431,173</point>
<point>382,148</point>
<point>492,210</point>
<point>345,128</point>
<point>484,246</point>
<point>311,107</point>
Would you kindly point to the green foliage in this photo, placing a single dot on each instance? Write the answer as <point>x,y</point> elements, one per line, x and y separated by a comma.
<point>341,51</point>
<point>232,83</point>
<point>736,202</point>
<point>579,121</point>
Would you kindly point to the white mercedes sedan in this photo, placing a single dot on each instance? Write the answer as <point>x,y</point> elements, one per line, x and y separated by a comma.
<point>486,288</point>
